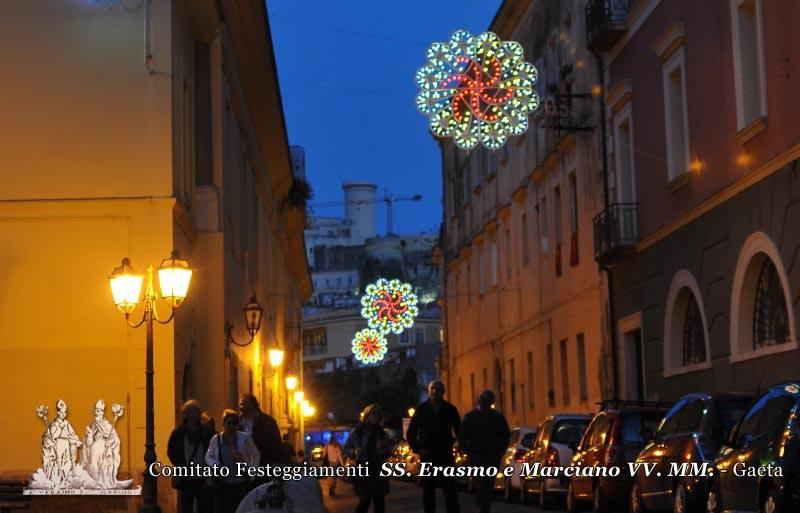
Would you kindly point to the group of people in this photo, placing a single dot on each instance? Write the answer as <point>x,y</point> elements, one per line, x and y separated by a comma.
<point>248,435</point>
<point>435,426</point>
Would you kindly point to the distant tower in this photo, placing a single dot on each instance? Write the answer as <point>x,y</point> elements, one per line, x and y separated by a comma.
<point>298,155</point>
<point>359,210</point>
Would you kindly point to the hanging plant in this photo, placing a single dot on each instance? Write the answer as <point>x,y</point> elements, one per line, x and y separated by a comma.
<point>300,193</point>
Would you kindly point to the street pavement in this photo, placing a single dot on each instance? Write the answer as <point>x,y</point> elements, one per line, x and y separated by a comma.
<point>407,498</point>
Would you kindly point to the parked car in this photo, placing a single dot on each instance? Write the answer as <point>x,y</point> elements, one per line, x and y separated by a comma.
<point>557,438</point>
<point>615,437</point>
<point>461,460</point>
<point>691,433</point>
<point>519,443</point>
<point>765,442</point>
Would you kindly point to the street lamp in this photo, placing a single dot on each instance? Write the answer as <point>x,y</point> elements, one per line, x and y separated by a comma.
<point>298,396</point>
<point>174,276</point>
<point>253,312</point>
<point>291,382</point>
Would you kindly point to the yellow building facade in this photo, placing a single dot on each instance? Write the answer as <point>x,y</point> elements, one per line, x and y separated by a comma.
<point>130,130</point>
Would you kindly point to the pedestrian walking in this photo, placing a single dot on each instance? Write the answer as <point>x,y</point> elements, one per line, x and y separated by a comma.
<point>431,433</point>
<point>288,449</point>
<point>484,437</point>
<point>263,429</point>
<point>368,444</point>
<point>188,445</point>
<point>333,455</point>
<point>227,449</point>
<point>207,420</point>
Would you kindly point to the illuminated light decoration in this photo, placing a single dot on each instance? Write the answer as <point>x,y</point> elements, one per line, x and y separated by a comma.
<point>389,306</point>
<point>792,389</point>
<point>477,89</point>
<point>369,346</point>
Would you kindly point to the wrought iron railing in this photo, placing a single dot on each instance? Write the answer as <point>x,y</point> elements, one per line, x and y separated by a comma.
<point>605,22</point>
<point>615,231</point>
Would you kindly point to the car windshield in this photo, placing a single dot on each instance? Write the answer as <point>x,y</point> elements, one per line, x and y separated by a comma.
<point>568,431</point>
<point>527,440</point>
<point>639,427</point>
<point>730,410</point>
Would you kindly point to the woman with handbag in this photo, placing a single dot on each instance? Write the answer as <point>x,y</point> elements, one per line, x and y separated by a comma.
<point>187,446</point>
<point>368,444</point>
<point>227,449</point>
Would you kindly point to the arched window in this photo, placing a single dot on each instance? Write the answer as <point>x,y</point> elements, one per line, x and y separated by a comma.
<point>694,338</point>
<point>761,322</point>
<point>686,345</point>
<point>770,316</point>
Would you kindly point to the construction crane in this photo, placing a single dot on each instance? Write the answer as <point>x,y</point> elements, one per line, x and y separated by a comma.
<point>387,198</point>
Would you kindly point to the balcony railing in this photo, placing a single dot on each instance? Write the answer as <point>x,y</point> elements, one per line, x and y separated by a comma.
<point>615,232</point>
<point>605,23</point>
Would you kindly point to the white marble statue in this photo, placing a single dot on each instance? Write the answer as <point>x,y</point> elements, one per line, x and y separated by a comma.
<point>97,468</point>
<point>100,456</point>
<point>59,450</point>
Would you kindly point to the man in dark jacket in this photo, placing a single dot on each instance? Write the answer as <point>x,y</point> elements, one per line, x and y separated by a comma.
<point>264,430</point>
<point>484,438</point>
<point>431,434</point>
<point>187,445</point>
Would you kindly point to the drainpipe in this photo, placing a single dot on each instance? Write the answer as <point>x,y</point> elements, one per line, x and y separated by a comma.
<point>606,206</point>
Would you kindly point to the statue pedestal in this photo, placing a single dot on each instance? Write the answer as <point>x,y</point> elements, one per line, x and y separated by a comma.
<point>83,491</point>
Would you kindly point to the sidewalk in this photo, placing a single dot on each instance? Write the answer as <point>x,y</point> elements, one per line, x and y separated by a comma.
<point>407,498</point>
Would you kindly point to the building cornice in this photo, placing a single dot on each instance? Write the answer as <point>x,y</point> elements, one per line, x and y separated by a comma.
<point>729,192</point>
<point>619,94</point>
<point>670,40</point>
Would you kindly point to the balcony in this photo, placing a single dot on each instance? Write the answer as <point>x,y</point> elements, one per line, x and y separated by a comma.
<point>615,232</point>
<point>605,23</point>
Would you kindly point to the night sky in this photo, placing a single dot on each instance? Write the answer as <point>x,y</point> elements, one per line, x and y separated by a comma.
<point>346,70</point>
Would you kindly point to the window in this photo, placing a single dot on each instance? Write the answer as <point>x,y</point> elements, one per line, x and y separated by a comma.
<point>694,340</point>
<point>469,285</point>
<point>419,335</point>
<point>472,396</point>
<point>551,394</point>
<point>600,428</point>
<point>761,320</point>
<point>481,271</point>
<point>770,316</point>
<point>315,341</point>
<point>691,417</point>
<point>456,292</point>
<point>623,152</point>
<point>676,115</point>
<point>557,213</point>
<point>583,391</point>
<point>748,61</point>
<point>669,423</point>
<point>543,224</point>
<point>685,327</point>
<point>573,203</point>
<point>512,374</point>
<point>529,362</point>
<point>525,249</point>
<point>508,253</point>
<point>493,259</point>
<point>404,338</point>
<point>564,372</point>
<point>485,379</point>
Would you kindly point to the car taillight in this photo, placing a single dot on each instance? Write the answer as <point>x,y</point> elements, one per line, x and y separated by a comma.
<point>519,455</point>
<point>552,457</point>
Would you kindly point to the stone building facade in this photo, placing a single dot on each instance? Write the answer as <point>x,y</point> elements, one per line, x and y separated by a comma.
<point>701,233</point>
<point>523,296</point>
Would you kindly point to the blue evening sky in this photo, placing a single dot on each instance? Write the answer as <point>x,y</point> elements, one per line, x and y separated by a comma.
<point>346,71</point>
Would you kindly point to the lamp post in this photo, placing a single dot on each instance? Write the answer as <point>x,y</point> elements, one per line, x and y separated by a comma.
<point>253,313</point>
<point>174,276</point>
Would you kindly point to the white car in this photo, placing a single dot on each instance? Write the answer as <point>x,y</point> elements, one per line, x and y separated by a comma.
<point>555,444</point>
<point>521,441</point>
